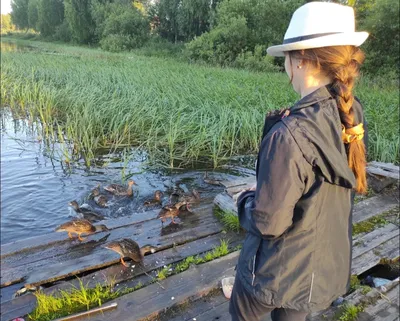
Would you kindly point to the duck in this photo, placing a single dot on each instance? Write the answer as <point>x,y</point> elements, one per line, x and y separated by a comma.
<point>211,181</point>
<point>156,200</point>
<point>79,227</point>
<point>129,248</point>
<point>85,213</point>
<point>120,190</point>
<point>188,199</point>
<point>100,199</point>
<point>170,211</point>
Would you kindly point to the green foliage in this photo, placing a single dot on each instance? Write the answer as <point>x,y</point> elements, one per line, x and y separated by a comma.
<point>78,16</point>
<point>63,32</point>
<point>50,16</point>
<point>256,60</point>
<point>382,21</point>
<point>348,312</point>
<point>229,220</point>
<point>217,252</point>
<point>6,24</point>
<point>19,13</point>
<point>241,25</point>
<point>370,224</point>
<point>63,303</point>
<point>33,17</point>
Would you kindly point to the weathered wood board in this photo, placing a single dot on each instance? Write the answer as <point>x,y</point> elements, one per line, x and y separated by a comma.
<point>152,300</point>
<point>384,169</point>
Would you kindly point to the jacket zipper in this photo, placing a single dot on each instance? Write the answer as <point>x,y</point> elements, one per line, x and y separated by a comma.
<point>311,288</point>
<point>254,272</point>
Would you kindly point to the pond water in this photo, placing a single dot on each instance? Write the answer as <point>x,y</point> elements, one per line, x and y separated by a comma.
<point>36,186</point>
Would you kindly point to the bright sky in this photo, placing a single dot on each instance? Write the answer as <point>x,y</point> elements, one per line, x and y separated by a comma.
<point>5,6</point>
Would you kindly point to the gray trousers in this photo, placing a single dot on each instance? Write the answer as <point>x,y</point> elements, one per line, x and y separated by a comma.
<point>243,306</point>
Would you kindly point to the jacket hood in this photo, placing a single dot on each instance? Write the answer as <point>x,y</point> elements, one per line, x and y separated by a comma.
<point>315,125</point>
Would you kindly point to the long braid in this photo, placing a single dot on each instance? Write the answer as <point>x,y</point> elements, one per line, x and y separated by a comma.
<point>341,64</point>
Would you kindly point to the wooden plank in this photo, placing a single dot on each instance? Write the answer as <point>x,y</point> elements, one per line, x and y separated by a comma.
<point>238,182</point>
<point>225,203</point>
<point>386,166</point>
<point>385,309</point>
<point>389,249</point>
<point>236,189</point>
<point>355,298</point>
<point>382,172</point>
<point>118,273</point>
<point>89,255</point>
<point>373,206</point>
<point>53,238</point>
<point>362,211</point>
<point>194,283</point>
<point>371,240</point>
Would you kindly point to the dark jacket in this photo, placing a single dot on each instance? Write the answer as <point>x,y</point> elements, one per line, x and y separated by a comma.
<point>297,251</point>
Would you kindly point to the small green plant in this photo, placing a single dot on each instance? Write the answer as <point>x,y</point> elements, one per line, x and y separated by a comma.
<point>348,312</point>
<point>354,283</point>
<point>63,303</point>
<point>229,220</point>
<point>217,252</point>
<point>370,224</point>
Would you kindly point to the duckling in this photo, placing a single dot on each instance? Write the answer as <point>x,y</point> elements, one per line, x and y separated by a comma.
<point>26,289</point>
<point>99,199</point>
<point>129,248</point>
<point>120,190</point>
<point>170,211</point>
<point>156,200</point>
<point>189,199</point>
<point>86,213</point>
<point>79,227</point>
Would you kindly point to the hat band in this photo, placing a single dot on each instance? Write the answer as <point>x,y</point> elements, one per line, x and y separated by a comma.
<point>302,38</point>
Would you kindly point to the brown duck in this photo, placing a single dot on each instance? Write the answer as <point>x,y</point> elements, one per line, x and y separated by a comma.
<point>156,200</point>
<point>170,211</point>
<point>129,248</point>
<point>86,213</point>
<point>80,227</point>
<point>99,199</point>
<point>190,199</point>
<point>120,190</point>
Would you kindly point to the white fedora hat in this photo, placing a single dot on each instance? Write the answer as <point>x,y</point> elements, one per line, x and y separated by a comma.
<point>320,24</point>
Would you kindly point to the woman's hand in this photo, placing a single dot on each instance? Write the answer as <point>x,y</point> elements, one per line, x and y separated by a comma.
<point>236,196</point>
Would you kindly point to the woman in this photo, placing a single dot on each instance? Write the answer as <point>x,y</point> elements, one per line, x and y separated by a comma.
<point>296,257</point>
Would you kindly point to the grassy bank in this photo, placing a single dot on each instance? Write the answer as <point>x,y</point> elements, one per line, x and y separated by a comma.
<point>89,99</point>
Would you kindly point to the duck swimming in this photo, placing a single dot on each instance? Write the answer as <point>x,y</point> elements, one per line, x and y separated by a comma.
<point>120,190</point>
<point>170,211</point>
<point>157,200</point>
<point>86,213</point>
<point>80,227</point>
<point>99,199</point>
<point>189,199</point>
<point>129,248</point>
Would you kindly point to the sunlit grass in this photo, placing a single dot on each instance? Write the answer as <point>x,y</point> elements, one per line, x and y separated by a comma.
<point>88,100</point>
<point>217,252</point>
<point>82,298</point>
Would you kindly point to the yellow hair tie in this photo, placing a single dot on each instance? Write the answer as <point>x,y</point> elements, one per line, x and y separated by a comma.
<point>352,134</point>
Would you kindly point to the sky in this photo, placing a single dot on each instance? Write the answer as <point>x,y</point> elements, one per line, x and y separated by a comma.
<point>5,6</point>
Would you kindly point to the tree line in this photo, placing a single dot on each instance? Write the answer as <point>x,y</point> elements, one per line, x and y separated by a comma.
<point>220,32</point>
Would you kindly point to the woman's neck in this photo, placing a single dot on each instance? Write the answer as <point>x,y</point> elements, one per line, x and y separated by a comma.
<point>311,84</point>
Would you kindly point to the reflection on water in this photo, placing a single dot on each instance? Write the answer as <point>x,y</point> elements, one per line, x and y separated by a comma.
<point>36,187</point>
<point>6,46</point>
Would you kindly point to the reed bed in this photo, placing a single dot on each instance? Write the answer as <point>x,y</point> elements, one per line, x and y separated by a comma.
<point>89,100</point>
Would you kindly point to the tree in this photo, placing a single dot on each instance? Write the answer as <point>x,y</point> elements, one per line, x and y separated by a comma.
<point>33,14</point>
<point>50,16</point>
<point>193,18</point>
<point>6,24</point>
<point>19,13</point>
<point>79,19</point>
<point>168,19</point>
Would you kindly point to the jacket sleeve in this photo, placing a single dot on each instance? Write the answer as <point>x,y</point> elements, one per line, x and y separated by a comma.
<point>268,211</point>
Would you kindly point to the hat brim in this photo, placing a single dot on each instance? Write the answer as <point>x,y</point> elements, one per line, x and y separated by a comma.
<point>341,39</point>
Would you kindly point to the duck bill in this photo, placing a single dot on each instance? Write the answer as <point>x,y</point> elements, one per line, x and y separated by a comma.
<point>60,229</point>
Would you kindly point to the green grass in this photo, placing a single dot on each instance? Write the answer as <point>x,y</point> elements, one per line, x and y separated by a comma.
<point>348,312</point>
<point>229,220</point>
<point>82,298</point>
<point>89,100</point>
<point>217,252</point>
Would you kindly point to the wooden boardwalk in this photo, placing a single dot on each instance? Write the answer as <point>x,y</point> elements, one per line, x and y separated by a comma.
<point>195,294</point>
